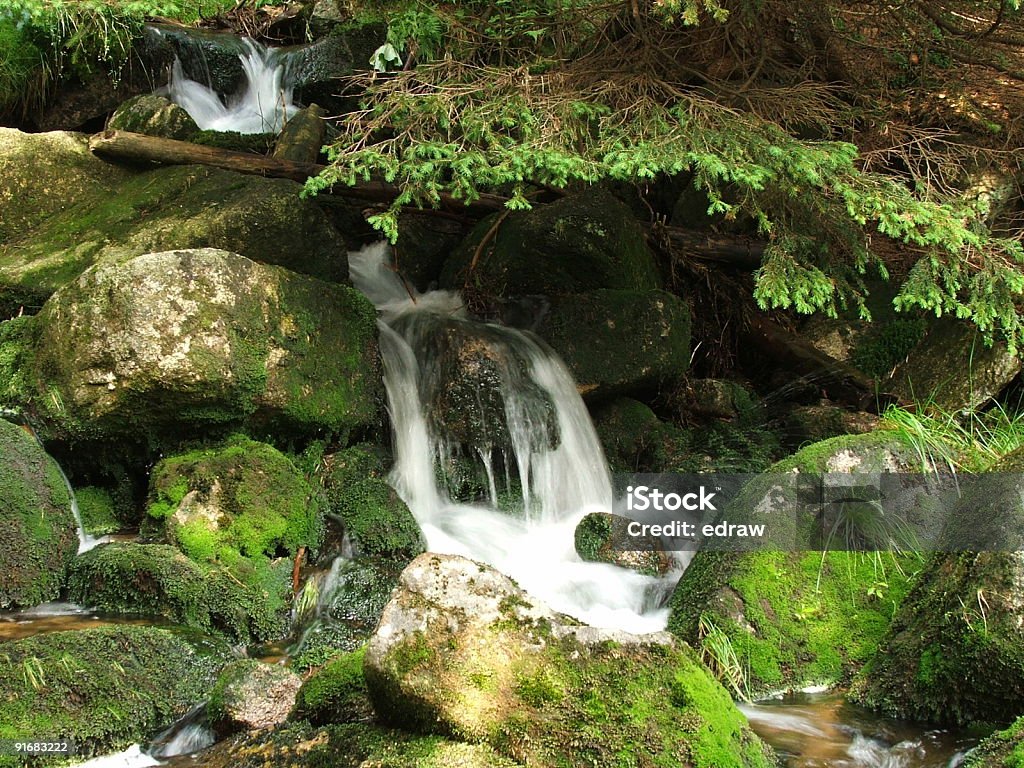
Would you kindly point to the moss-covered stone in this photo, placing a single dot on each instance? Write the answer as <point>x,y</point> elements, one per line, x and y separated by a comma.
<point>253,143</point>
<point>17,341</point>
<point>635,440</point>
<point>601,537</point>
<point>96,508</point>
<point>45,174</point>
<point>952,370</point>
<point>246,602</point>
<point>38,534</point>
<point>153,115</point>
<point>168,344</point>
<point>335,693</point>
<point>244,497</point>
<point>377,522</point>
<point>955,650</point>
<point>104,688</point>
<point>352,745</point>
<point>620,341</point>
<point>461,651</point>
<point>165,209</point>
<point>1003,749</point>
<point>578,243</point>
<point>251,694</point>
<point>798,617</point>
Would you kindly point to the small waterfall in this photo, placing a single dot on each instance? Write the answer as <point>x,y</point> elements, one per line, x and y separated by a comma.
<point>263,105</point>
<point>190,734</point>
<point>559,483</point>
<point>85,540</point>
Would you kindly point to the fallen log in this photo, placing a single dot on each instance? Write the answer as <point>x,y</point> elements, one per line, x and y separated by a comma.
<point>139,148</point>
<point>738,251</point>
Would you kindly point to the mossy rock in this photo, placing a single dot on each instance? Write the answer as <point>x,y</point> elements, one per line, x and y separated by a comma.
<point>472,372</point>
<point>635,440</point>
<point>618,342</point>
<point>955,650</point>
<point>96,508</point>
<point>352,611</point>
<point>153,115</point>
<point>38,533</point>
<point>253,143</point>
<point>952,370</point>
<point>797,617</point>
<point>335,693</point>
<point>601,537</point>
<point>538,687</point>
<point>170,208</point>
<point>246,603</point>
<point>251,694</point>
<point>1003,749</point>
<point>242,497</point>
<point>17,342</point>
<point>351,745</point>
<point>104,688</point>
<point>377,522</point>
<point>580,243</point>
<point>45,174</point>
<point>156,349</point>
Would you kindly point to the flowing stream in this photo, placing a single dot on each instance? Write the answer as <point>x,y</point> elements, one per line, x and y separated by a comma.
<point>263,105</point>
<point>557,484</point>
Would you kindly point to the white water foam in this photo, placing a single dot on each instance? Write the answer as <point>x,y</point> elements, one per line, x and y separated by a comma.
<point>262,106</point>
<point>559,485</point>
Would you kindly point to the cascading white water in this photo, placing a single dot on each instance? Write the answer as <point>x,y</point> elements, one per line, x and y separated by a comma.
<point>262,106</point>
<point>559,485</point>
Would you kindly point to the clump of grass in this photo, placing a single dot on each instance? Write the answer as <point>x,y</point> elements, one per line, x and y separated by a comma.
<point>718,654</point>
<point>971,443</point>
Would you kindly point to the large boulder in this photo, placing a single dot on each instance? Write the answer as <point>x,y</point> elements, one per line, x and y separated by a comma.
<point>251,694</point>
<point>159,210</point>
<point>955,650</point>
<point>45,175</point>
<point>953,370</point>
<point>461,651</point>
<point>38,535</point>
<point>796,616</point>
<point>579,243</point>
<point>245,605</point>
<point>103,688</point>
<point>620,341</point>
<point>170,343</point>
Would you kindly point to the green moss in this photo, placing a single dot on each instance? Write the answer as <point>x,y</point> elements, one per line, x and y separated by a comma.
<point>96,508</point>
<point>17,338</point>
<point>953,653</point>
<point>246,603</point>
<point>254,143</point>
<point>105,688</point>
<point>1003,749</point>
<point>37,527</point>
<point>885,344</point>
<point>262,503</point>
<point>620,341</point>
<point>335,693</point>
<point>376,520</point>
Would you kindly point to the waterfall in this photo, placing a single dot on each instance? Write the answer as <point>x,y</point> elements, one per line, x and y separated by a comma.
<point>263,105</point>
<point>559,480</point>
